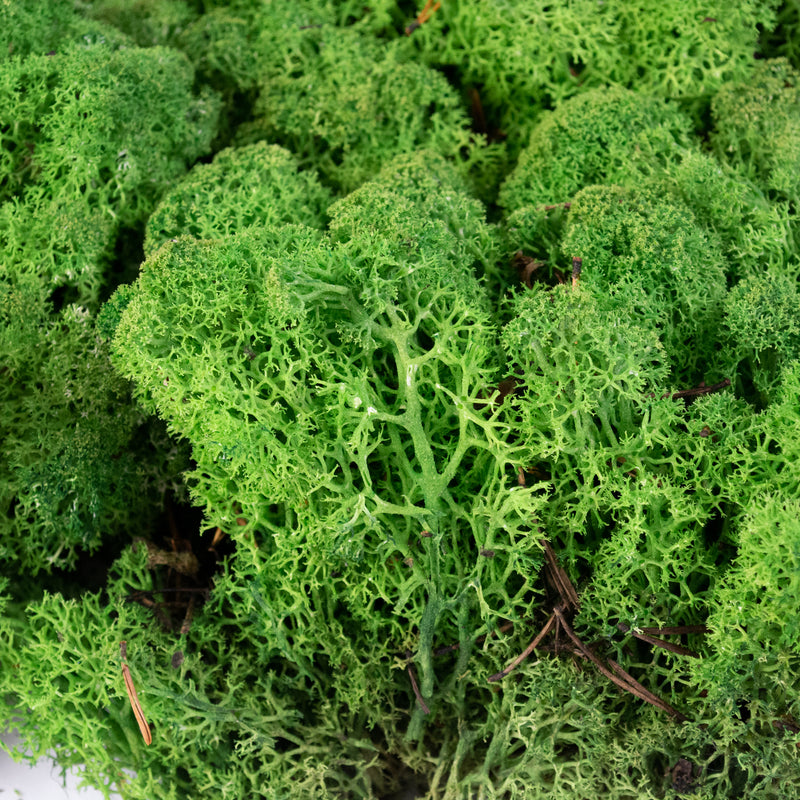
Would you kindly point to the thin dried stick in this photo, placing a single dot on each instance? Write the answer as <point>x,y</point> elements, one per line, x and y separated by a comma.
<point>140,595</point>
<point>577,266</point>
<point>675,630</point>
<point>644,635</point>
<point>628,683</point>
<point>415,687</point>
<point>525,653</point>
<point>664,645</point>
<point>561,579</point>
<point>645,694</point>
<point>422,17</point>
<point>133,697</point>
<point>219,535</point>
<point>187,620</point>
<point>697,391</point>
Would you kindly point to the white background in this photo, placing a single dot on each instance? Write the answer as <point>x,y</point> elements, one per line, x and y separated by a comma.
<point>19,781</point>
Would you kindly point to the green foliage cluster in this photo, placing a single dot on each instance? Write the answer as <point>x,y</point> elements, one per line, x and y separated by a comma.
<point>652,256</point>
<point>618,137</point>
<point>764,331</point>
<point>28,28</point>
<point>90,135</point>
<point>343,100</point>
<point>256,185</point>
<point>526,57</point>
<point>366,356</point>
<point>79,457</point>
<point>783,40</point>
<point>756,127</point>
<point>146,22</point>
<point>247,270</point>
<point>602,135</point>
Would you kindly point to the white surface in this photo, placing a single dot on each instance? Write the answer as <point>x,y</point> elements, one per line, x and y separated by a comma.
<point>20,781</point>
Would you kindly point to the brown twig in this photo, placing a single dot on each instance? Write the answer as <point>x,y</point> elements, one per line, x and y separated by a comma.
<point>187,620</point>
<point>422,17</point>
<point>140,594</point>
<point>664,645</point>
<point>577,266</point>
<point>525,267</point>
<point>526,652</point>
<point>675,630</point>
<point>219,535</point>
<point>560,578</point>
<point>645,634</point>
<point>478,117</point>
<point>415,687</point>
<point>616,674</point>
<point>154,607</point>
<point>611,670</point>
<point>144,728</point>
<point>698,391</point>
<point>636,688</point>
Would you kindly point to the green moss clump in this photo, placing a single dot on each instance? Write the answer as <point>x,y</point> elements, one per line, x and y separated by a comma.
<point>753,620</point>
<point>622,138</point>
<point>367,358</point>
<point>343,101</point>
<point>349,105</point>
<point>108,126</point>
<point>147,22</point>
<point>256,185</point>
<point>528,57</point>
<point>80,460</point>
<point>30,28</point>
<point>609,135</point>
<point>86,154</point>
<point>248,267</point>
<point>654,256</point>
<point>761,318</point>
<point>756,127</point>
<point>92,133</point>
<point>644,253</point>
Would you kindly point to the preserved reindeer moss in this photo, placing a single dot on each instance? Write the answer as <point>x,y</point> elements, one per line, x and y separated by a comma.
<point>85,153</point>
<point>147,22</point>
<point>616,137</point>
<point>407,462</point>
<point>757,127</point>
<point>92,135</point>
<point>80,116</point>
<point>376,376</point>
<point>526,57</point>
<point>586,377</point>
<point>343,101</point>
<point>254,185</point>
<point>79,457</point>
<point>609,135</point>
<point>655,257</point>
<point>30,28</point>
<point>347,105</point>
<point>645,253</point>
<point>764,332</point>
<point>754,611</point>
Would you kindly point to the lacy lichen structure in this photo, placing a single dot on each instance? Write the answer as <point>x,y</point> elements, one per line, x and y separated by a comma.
<point>412,390</point>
